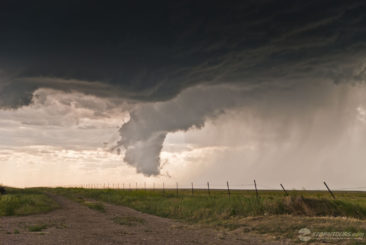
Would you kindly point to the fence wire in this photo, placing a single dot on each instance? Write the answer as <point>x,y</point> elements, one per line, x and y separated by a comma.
<point>200,186</point>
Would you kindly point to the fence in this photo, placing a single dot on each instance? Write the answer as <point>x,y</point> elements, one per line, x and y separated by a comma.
<point>208,188</point>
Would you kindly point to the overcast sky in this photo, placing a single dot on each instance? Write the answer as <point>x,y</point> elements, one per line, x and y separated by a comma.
<point>96,92</point>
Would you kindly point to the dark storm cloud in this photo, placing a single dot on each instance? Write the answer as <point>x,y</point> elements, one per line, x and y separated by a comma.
<point>151,50</point>
<point>221,53</point>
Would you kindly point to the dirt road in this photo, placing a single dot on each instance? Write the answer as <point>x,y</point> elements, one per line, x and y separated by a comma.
<point>77,224</point>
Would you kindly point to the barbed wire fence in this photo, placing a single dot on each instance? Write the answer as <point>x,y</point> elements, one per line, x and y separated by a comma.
<point>193,188</point>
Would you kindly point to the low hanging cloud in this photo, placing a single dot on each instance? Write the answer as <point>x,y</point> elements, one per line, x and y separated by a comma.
<point>278,115</point>
<point>144,134</point>
<point>68,120</point>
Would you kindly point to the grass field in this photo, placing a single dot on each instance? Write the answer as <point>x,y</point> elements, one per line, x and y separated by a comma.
<point>273,215</point>
<point>218,207</point>
<point>25,202</point>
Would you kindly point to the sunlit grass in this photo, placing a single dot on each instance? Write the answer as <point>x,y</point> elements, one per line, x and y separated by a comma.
<point>25,202</point>
<point>218,207</point>
<point>95,205</point>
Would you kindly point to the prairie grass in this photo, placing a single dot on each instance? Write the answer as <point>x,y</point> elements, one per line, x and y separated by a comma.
<point>37,228</point>
<point>218,207</point>
<point>95,205</point>
<point>25,202</point>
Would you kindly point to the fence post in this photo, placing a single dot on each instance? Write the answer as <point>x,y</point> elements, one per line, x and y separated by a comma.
<point>256,191</point>
<point>228,188</point>
<point>163,188</point>
<point>283,188</point>
<point>331,193</point>
<point>177,187</point>
<point>145,186</point>
<point>208,188</point>
<point>192,188</point>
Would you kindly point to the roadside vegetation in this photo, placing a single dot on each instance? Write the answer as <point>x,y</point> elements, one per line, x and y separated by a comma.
<point>272,214</point>
<point>25,202</point>
<point>94,205</point>
<point>218,207</point>
<point>37,228</point>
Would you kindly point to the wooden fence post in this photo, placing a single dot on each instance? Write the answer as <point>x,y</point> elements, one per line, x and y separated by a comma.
<point>283,188</point>
<point>228,188</point>
<point>208,188</point>
<point>192,188</point>
<point>256,191</point>
<point>331,193</point>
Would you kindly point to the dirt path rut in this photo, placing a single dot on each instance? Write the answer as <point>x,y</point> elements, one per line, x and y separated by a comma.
<point>77,224</point>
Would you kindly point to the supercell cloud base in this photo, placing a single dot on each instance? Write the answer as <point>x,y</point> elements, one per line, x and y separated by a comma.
<point>183,92</point>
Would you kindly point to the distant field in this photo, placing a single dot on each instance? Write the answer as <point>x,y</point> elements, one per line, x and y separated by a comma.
<point>271,215</point>
<point>25,202</point>
<point>218,207</point>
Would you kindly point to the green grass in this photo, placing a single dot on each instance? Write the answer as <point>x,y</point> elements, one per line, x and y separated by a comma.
<point>25,202</point>
<point>215,209</point>
<point>95,205</point>
<point>273,213</point>
<point>37,228</point>
<point>89,203</point>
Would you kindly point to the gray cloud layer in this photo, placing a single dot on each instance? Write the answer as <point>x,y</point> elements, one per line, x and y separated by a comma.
<point>168,54</point>
<point>153,51</point>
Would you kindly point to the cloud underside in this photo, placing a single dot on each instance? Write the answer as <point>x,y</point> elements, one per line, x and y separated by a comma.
<point>152,58</point>
<point>179,69</point>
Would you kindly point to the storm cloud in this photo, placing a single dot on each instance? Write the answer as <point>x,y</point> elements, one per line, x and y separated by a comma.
<point>192,58</point>
<point>144,134</point>
<point>153,50</point>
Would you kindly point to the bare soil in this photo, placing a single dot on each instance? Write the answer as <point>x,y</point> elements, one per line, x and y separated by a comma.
<point>74,223</point>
